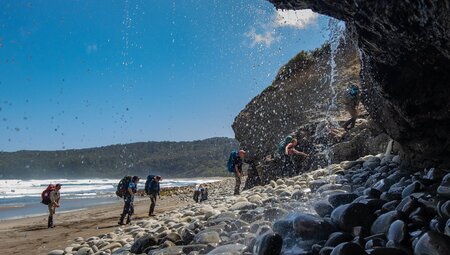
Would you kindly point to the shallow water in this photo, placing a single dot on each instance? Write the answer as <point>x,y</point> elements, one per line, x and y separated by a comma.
<point>21,198</point>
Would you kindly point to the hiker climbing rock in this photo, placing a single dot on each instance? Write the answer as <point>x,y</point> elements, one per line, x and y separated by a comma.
<point>351,102</point>
<point>289,153</point>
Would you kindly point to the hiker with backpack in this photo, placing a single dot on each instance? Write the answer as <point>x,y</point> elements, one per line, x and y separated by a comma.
<point>234,165</point>
<point>197,192</point>
<point>127,187</point>
<point>203,193</point>
<point>51,197</point>
<point>351,102</point>
<point>287,151</point>
<point>152,188</point>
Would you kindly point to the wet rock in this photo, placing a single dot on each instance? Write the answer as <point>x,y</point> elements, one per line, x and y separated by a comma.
<point>315,185</point>
<point>347,249</point>
<point>375,242</point>
<point>143,243</point>
<point>173,237</point>
<point>444,189</point>
<point>56,252</point>
<point>187,235</point>
<point>433,243</point>
<point>337,238</point>
<point>85,251</point>
<point>323,208</point>
<point>444,209</point>
<point>243,206</point>
<point>397,232</point>
<point>372,193</point>
<point>312,227</point>
<point>268,244</point>
<point>389,206</point>
<point>207,237</point>
<point>341,199</point>
<point>274,213</point>
<point>173,250</point>
<point>298,194</point>
<point>411,188</point>
<point>387,251</point>
<point>229,249</point>
<point>325,251</point>
<point>352,215</point>
<point>382,223</point>
<point>283,227</point>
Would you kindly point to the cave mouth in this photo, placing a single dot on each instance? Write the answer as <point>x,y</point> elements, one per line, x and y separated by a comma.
<point>405,54</point>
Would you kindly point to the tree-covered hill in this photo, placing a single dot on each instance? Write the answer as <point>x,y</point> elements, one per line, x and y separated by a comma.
<point>170,159</point>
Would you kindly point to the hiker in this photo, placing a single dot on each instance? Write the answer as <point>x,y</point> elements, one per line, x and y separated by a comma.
<point>197,192</point>
<point>238,159</point>
<point>351,102</point>
<point>289,152</point>
<point>128,208</point>
<point>54,203</point>
<point>153,190</point>
<point>203,193</point>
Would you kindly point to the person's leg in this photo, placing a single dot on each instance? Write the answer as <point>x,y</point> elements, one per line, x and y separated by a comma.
<point>152,204</point>
<point>124,212</point>
<point>50,216</point>
<point>130,210</point>
<point>238,184</point>
<point>196,194</point>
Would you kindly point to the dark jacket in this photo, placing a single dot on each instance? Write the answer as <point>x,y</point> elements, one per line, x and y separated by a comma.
<point>154,187</point>
<point>237,162</point>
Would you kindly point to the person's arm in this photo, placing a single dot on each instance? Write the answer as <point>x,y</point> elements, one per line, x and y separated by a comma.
<point>159,191</point>
<point>236,169</point>
<point>58,197</point>
<point>299,153</point>
<point>286,149</point>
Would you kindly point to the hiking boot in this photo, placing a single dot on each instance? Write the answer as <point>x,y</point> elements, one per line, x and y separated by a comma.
<point>50,222</point>
<point>121,220</point>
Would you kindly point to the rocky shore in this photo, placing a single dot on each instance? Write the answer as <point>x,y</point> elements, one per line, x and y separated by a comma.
<point>367,206</point>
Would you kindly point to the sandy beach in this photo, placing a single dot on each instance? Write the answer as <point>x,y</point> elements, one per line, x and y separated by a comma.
<point>31,236</point>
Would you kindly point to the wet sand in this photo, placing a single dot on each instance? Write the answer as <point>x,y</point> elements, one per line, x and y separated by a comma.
<point>31,236</point>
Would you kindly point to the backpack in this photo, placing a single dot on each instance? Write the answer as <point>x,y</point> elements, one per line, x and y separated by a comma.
<point>230,164</point>
<point>123,186</point>
<point>148,184</point>
<point>45,195</point>
<point>282,145</point>
<point>353,90</point>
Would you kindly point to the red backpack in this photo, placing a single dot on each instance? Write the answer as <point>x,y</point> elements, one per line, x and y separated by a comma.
<point>45,196</point>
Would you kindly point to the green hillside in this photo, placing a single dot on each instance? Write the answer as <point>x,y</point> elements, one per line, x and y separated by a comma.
<point>170,159</point>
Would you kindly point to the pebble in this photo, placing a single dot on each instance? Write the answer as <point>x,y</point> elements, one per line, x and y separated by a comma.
<point>433,243</point>
<point>352,200</point>
<point>268,244</point>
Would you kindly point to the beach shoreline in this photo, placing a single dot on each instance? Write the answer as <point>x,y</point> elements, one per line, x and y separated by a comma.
<point>31,235</point>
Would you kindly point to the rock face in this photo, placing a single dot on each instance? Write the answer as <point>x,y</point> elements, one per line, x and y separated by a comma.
<point>299,94</point>
<point>405,52</point>
<point>298,102</point>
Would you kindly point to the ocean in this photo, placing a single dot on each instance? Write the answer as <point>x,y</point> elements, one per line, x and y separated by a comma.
<point>21,198</point>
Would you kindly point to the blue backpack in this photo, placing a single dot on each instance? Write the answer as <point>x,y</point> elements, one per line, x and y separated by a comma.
<point>230,164</point>
<point>353,91</point>
<point>282,145</point>
<point>148,183</point>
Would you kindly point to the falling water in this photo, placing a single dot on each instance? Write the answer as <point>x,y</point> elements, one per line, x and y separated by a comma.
<point>324,129</point>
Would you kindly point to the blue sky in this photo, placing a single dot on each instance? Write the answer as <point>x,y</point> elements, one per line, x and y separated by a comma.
<point>78,74</point>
